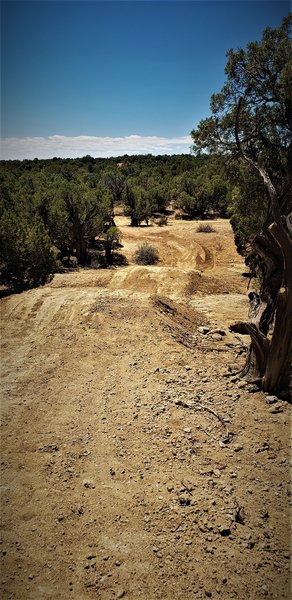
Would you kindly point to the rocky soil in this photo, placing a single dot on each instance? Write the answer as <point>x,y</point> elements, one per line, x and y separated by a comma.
<point>135,464</point>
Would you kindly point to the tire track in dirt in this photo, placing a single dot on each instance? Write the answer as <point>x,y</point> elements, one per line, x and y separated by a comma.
<point>115,479</point>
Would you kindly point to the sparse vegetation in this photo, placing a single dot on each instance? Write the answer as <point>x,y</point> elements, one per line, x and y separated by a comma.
<point>146,254</point>
<point>205,228</point>
<point>162,221</point>
<point>74,202</point>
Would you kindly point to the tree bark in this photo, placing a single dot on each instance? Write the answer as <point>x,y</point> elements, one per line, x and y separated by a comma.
<point>108,253</point>
<point>273,349</point>
<point>279,362</point>
<point>80,243</point>
<point>277,373</point>
<point>134,221</point>
<point>260,343</point>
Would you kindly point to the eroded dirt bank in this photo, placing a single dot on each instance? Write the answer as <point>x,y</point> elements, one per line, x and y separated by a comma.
<point>131,465</point>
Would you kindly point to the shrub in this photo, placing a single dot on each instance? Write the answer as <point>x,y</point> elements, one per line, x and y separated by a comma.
<point>162,221</point>
<point>112,240</point>
<point>26,257</point>
<point>146,255</point>
<point>205,228</point>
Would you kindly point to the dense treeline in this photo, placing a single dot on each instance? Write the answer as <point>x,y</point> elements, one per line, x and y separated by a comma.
<point>60,212</point>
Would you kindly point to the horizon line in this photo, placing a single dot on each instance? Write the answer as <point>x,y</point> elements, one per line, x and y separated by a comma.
<point>62,146</point>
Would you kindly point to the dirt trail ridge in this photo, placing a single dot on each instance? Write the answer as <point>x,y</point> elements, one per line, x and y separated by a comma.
<point>132,466</point>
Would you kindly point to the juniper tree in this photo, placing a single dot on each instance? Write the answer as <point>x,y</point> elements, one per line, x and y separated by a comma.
<point>251,124</point>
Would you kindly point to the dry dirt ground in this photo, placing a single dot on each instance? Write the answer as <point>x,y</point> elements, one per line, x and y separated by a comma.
<point>132,465</point>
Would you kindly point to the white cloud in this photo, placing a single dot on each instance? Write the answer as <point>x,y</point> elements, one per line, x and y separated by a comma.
<point>81,145</point>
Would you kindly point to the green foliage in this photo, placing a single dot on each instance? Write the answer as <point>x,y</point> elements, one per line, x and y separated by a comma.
<point>74,200</point>
<point>251,125</point>
<point>146,254</point>
<point>202,192</point>
<point>136,205</point>
<point>112,240</point>
<point>115,182</point>
<point>26,256</point>
<point>246,219</point>
<point>144,197</point>
<point>252,119</point>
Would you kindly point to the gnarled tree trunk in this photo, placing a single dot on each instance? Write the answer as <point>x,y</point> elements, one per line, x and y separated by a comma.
<point>271,329</point>
<point>271,326</point>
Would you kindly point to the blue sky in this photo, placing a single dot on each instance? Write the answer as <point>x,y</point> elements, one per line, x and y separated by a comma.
<point>104,78</point>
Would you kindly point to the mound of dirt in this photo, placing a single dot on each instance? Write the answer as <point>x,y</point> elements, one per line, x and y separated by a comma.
<point>134,464</point>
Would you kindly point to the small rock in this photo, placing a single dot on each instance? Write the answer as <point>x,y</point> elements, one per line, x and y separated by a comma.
<point>271,399</point>
<point>203,329</point>
<point>264,590</point>
<point>121,594</point>
<point>226,439</point>
<point>252,389</point>
<point>187,430</point>
<point>188,368</point>
<point>263,447</point>
<point>222,445</point>
<point>277,408</point>
<point>241,384</point>
<point>208,594</point>
<point>240,515</point>
<point>184,501</point>
<point>219,331</point>
<point>265,514</point>
<point>88,484</point>
<point>237,447</point>
<point>224,531</point>
<point>216,337</point>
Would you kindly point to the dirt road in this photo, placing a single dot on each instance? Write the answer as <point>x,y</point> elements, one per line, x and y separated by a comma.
<point>132,466</point>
